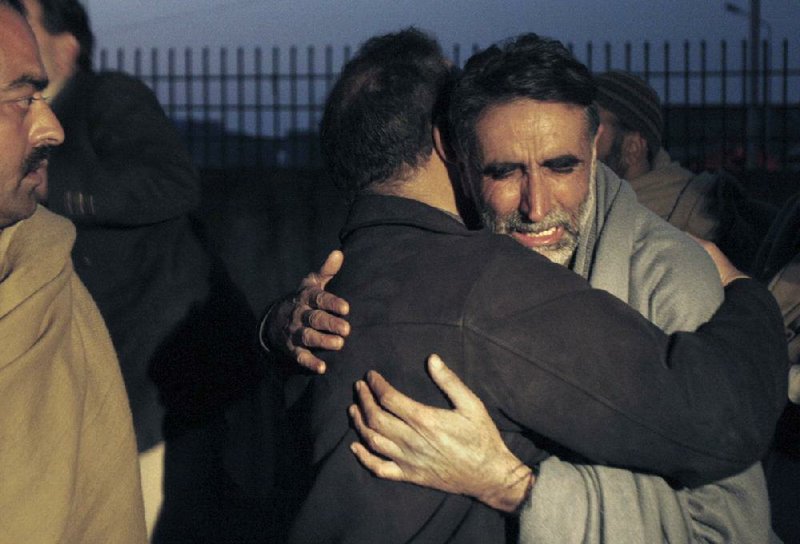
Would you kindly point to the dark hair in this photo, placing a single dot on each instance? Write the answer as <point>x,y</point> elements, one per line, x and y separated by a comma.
<point>528,66</point>
<point>379,117</point>
<point>59,16</point>
<point>16,5</point>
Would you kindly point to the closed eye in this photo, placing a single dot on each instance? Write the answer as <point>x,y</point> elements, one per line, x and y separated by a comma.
<point>500,171</point>
<point>565,164</point>
<point>24,103</point>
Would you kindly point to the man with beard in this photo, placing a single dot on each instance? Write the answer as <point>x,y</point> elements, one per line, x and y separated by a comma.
<point>418,280</point>
<point>523,129</point>
<point>67,448</point>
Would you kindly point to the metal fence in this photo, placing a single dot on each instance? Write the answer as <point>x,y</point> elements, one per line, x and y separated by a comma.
<point>260,108</point>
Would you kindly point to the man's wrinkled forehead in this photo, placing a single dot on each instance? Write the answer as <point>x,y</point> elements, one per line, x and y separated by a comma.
<point>20,63</point>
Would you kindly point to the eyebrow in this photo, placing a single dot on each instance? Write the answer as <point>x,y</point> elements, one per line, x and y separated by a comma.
<point>494,167</point>
<point>27,80</point>
<point>562,161</point>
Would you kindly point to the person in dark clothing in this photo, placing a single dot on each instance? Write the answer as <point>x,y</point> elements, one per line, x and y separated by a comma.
<point>126,181</point>
<point>575,376</point>
<point>777,265</point>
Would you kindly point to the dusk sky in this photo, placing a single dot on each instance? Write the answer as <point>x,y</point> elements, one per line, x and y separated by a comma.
<point>180,23</point>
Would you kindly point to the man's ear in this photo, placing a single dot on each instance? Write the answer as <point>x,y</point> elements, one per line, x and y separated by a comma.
<point>634,148</point>
<point>601,128</point>
<point>444,151</point>
<point>634,155</point>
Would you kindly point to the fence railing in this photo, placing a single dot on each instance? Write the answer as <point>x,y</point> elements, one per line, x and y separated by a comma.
<point>261,107</point>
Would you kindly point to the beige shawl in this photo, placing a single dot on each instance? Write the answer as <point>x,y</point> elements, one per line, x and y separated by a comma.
<point>68,466</point>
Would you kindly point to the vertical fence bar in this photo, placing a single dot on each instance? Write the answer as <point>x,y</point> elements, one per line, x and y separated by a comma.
<point>224,106</point>
<point>171,82</point>
<point>189,98</point>
<point>103,60</point>
<point>785,106</point>
<point>293,124</point>
<point>312,107</point>
<point>154,78</point>
<point>137,63</point>
<point>328,69</point>
<point>240,107</point>
<point>259,82</point>
<point>628,57</point>
<point>329,75</point>
<point>703,103</point>
<point>608,56</point>
<point>647,61</point>
<point>745,118</point>
<point>765,113</point>
<point>724,101</point>
<point>277,137</point>
<point>687,101</point>
<point>120,60</point>
<point>205,82</point>
<point>590,56</point>
<point>457,55</point>
<point>667,105</point>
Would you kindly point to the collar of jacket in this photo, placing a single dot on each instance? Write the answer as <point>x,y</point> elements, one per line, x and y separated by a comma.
<point>371,210</point>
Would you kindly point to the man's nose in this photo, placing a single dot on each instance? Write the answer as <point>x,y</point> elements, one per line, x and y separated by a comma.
<point>45,128</point>
<point>536,198</point>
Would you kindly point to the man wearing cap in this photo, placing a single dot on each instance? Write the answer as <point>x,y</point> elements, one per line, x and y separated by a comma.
<point>709,205</point>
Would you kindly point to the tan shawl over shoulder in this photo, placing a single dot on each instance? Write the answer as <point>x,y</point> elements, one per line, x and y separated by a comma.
<point>68,466</point>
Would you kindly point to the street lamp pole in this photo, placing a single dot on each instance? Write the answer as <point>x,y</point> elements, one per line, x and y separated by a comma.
<point>753,126</point>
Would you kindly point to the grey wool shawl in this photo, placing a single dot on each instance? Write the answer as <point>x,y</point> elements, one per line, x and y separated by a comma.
<point>630,252</point>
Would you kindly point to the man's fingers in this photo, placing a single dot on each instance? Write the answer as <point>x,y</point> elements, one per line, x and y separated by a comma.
<point>309,361</point>
<point>727,271</point>
<point>387,470</point>
<point>329,302</point>
<point>324,322</point>
<point>451,385</point>
<point>375,440</point>
<point>403,435</point>
<point>794,384</point>
<point>313,339</point>
<point>331,266</point>
<point>376,417</point>
<point>402,406</point>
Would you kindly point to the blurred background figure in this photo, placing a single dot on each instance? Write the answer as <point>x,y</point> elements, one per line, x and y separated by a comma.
<point>181,330</point>
<point>711,206</point>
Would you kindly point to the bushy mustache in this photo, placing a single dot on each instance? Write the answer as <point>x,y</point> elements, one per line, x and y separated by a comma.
<point>35,160</point>
<point>515,222</point>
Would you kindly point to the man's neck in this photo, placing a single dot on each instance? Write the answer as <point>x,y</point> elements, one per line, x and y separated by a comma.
<point>429,184</point>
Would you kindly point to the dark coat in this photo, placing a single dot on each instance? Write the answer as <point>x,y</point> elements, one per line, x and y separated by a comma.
<point>557,364</point>
<point>125,179</point>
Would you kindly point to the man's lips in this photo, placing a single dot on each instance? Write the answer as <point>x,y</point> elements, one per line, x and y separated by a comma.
<point>544,238</point>
<point>38,174</point>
